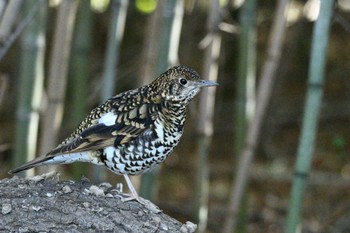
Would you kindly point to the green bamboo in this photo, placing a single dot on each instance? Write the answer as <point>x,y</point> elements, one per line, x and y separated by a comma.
<point>312,109</point>
<point>151,46</point>
<point>57,77</point>
<point>110,70</point>
<point>115,36</point>
<point>149,187</point>
<point>9,18</point>
<point>253,134</point>
<point>246,76</point>
<point>79,72</point>
<point>205,125</point>
<point>245,97</point>
<point>31,78</point>
<point>2,8</point>
<point>168,20</point>
<point>9,38</point>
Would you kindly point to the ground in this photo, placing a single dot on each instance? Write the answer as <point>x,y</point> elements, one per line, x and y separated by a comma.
<point>46,204</point>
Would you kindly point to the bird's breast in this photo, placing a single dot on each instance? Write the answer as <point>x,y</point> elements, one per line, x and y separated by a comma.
<point>168,133</point>
<point>144,152</point>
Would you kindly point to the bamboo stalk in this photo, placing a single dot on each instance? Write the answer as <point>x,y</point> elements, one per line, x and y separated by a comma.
<point>264,92</point>
<point>245,97</point>
<point>57,79</point>
<point>169,33</point>
<point>4,80</point>
<point>115,36</point>
<point>151,47</point>
<point>311,114</point>
<point>9,18</point>
<point>3,4</point>
<point>80,72</point>
<point>30,86</point>
<point>245,103</point>
<point>9,39</point>
<point>204,127</point>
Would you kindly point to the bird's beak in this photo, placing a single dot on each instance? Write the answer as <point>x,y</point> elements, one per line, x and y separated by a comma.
<point>206,83</point>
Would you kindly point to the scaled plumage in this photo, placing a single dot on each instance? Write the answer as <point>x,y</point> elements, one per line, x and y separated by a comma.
<point>133,131</point>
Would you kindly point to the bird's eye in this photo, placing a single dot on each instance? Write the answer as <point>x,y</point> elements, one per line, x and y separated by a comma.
<point>183,81</point>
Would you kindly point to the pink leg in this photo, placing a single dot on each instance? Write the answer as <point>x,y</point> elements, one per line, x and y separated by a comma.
<point>134,195</point>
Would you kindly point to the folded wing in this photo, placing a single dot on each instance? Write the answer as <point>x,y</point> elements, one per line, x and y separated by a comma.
<point>127,126</point>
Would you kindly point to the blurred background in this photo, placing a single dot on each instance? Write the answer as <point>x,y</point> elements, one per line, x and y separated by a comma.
<point>60,59</point>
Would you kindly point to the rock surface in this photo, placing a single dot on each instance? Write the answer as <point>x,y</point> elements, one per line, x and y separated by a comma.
<point>46,204</point>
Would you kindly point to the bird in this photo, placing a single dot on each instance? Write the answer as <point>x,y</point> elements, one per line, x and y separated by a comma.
<point>132,132</point>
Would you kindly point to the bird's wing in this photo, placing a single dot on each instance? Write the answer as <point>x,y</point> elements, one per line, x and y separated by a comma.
<point>117,127</point>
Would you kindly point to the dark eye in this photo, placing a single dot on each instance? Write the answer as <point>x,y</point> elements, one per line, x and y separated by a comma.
<point>183,81</point>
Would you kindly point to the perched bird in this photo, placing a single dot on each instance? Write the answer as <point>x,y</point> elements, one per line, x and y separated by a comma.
<point>133,131</point>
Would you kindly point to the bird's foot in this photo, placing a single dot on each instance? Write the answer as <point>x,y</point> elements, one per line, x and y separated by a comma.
<point>125,197</point>
<point>134,196</point>
<point>149,205</point>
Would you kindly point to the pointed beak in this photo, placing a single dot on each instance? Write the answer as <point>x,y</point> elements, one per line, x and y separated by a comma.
<point>206,83</point>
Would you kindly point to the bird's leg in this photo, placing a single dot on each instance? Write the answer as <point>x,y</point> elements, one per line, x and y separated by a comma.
<point>133,195</point>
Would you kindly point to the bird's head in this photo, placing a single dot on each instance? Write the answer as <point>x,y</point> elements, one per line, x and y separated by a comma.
<point>180,84</point>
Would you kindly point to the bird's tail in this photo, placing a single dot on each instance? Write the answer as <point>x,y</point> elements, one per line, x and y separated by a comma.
<point>54,159</point>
